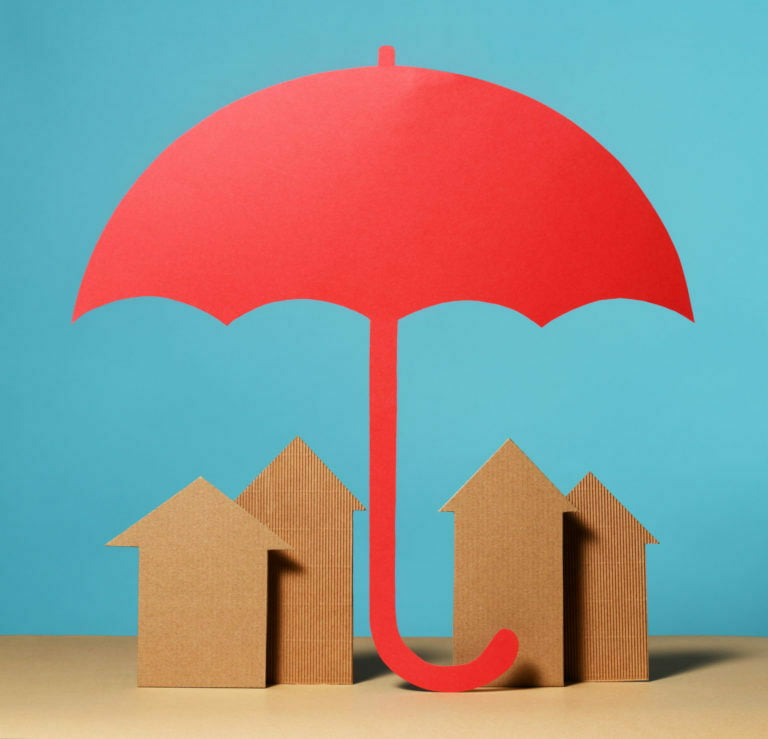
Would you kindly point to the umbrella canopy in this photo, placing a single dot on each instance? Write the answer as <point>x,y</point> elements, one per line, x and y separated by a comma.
<point>387,189</point>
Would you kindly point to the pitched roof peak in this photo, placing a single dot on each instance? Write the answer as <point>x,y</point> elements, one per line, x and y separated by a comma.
<point>298,469</point>
<point>198,512</point>
<point>599,508</point>
<point>509,479</point>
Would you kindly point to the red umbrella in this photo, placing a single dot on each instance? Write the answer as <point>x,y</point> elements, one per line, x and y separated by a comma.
<point>387,189</point>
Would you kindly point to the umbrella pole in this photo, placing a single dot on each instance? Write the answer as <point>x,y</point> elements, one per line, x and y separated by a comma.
<point>502,650</point>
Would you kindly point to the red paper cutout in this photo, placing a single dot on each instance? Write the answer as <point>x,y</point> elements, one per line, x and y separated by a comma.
<point>387,189</point>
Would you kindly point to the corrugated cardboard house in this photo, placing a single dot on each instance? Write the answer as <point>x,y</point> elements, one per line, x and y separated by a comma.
<point>310,586</point>
<point>606,625</point>
<point>508,566</point>
<point>202,591</point>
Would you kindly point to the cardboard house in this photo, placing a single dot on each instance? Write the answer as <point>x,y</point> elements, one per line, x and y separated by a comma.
<point>242,593</point>
<point>202,591</point>
<point>606,624</point>
<point>310,586</point>
<point>508,566</point>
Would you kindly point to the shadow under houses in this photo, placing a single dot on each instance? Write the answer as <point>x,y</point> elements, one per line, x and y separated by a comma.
<point>368,665</point>
<point>669,663</point>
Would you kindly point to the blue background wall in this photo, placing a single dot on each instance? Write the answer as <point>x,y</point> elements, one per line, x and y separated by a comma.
<point>106,418</point>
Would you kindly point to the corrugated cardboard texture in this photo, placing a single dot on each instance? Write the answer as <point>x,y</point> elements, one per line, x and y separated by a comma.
<point>202,591</point>
<point>508,566</point>
<point>310,587</point>
<point>606,625</point>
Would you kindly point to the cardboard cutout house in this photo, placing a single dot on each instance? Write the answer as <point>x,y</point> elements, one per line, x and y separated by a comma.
<point>508,566</point>
<point>310,586</point>
<point>202,591</point>
<point>606,624</point>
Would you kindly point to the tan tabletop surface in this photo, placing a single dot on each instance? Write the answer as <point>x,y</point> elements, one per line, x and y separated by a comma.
<point>83,686</point>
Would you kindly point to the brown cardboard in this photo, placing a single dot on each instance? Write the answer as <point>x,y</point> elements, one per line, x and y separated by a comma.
<point>606,624</point>
<point>202,591</point>
<point>508,566</point>
<point>310,587</point>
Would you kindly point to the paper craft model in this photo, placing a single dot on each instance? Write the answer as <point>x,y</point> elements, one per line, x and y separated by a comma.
<point>202,591</point>
<point>566,572</point>
<point>310,585</point>
<point>606,624</point>
<point>388,189</point>
<point>508,566</point>
<point>217,609</point>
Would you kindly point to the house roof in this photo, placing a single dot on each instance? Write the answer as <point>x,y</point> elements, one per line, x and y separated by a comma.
<point>510,483</point>
<point>600,511</point>
<point>297,472</point>
<point>198,513</point>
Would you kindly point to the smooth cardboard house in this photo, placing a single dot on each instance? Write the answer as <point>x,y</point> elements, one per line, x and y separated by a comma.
<point>202,591</point>
<point>310,586</point>
<point>606,624</point>
<point>508,566</point>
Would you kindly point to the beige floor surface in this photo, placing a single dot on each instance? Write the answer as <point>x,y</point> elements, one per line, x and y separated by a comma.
<point>83,687</point>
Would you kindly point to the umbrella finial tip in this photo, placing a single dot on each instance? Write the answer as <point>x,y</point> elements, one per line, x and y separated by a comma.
<point>386,56</point>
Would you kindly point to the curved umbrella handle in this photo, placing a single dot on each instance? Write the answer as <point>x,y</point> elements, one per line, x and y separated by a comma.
<point>501,652</point>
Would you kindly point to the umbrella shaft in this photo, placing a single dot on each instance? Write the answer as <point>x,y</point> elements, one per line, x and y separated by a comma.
<point>501,652</point>
<point>383,475</point>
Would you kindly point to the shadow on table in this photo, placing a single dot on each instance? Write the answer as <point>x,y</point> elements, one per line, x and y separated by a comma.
<point>679,661</point>
<point>368,666</point>
<point>662,664</point>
